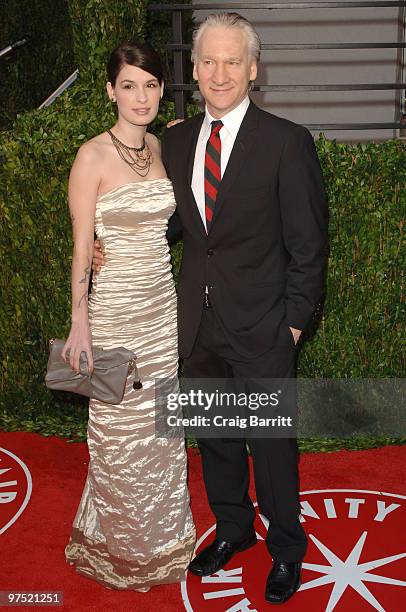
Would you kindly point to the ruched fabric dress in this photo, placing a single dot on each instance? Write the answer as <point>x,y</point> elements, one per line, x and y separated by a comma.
<point>133,528</point>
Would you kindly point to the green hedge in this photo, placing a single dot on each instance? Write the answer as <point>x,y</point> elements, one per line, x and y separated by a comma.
<point>361,333</point>
<point>98,26</point>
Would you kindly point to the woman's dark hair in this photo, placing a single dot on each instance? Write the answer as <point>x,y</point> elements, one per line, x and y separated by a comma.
<point>136,54</point>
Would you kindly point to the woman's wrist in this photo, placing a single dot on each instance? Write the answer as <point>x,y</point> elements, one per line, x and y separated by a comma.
<point>79,321</point>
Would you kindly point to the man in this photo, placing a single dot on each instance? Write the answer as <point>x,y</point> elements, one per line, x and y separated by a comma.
<point>251,206</point>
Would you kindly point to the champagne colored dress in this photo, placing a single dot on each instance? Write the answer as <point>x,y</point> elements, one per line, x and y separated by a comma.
<point>133,528</point>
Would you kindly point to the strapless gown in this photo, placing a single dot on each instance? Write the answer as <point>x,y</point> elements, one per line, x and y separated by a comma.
<point>133,528</point>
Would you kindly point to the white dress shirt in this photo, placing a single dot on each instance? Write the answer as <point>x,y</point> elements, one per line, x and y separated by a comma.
<point>228,133</point>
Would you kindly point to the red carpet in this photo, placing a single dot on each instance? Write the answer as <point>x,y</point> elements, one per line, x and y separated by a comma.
<point>362,527</point>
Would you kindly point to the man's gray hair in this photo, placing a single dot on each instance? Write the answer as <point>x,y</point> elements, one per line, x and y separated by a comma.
<point>229,20</point>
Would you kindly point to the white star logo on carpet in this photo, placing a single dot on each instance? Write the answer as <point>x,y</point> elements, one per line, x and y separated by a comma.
<point>349,573</point>
<point>354,541</point>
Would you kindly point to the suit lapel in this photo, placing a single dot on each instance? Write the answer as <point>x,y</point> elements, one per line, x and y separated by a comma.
<point>190,149</point>
<point>242,145</point>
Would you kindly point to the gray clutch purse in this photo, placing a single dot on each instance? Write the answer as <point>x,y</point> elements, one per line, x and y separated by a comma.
<point>109,377</point>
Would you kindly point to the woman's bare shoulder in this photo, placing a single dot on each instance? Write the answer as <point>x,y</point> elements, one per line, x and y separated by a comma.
<point>95,148</point>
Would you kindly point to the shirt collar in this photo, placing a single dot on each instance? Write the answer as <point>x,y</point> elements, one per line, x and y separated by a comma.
<point>232,120</point>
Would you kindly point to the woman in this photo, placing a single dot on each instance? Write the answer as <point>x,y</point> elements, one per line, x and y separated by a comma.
<point>133,528</point>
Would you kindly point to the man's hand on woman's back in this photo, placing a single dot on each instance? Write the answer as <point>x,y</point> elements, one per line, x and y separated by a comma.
<point>173,122</point>
<point>98,258</point>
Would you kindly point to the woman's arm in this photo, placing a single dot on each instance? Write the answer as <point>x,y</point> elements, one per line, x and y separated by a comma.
<point>84,182</point>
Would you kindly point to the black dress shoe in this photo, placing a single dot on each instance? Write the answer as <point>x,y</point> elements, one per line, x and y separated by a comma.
<point>283,581</point>
<point>217,554</point>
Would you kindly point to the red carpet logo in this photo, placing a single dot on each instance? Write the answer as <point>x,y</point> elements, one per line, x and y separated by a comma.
<point>355,559</point>
<point>15,488</point>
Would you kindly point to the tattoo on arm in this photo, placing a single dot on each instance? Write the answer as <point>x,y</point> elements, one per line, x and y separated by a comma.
<point>87,273</point>
<point>85,279</point>
<point>84,297</point>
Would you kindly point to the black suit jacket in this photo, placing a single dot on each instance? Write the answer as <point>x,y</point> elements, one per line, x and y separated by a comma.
<point>265,252</point>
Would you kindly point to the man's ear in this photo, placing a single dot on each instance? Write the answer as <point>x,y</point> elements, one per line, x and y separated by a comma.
<point>195,72</point>
<point>162,89</point>
<point>253,71</point>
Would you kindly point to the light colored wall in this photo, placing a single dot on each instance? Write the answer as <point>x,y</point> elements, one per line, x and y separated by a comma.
<point>328,66</point>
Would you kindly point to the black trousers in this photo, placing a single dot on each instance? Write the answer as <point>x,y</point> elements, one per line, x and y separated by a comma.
<point>225,460</point>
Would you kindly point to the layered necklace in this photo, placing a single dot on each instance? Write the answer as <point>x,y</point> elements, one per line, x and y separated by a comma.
<point>139,159</point>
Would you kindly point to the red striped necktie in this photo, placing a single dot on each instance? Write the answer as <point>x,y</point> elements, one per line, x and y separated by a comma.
<point>212,170</point>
